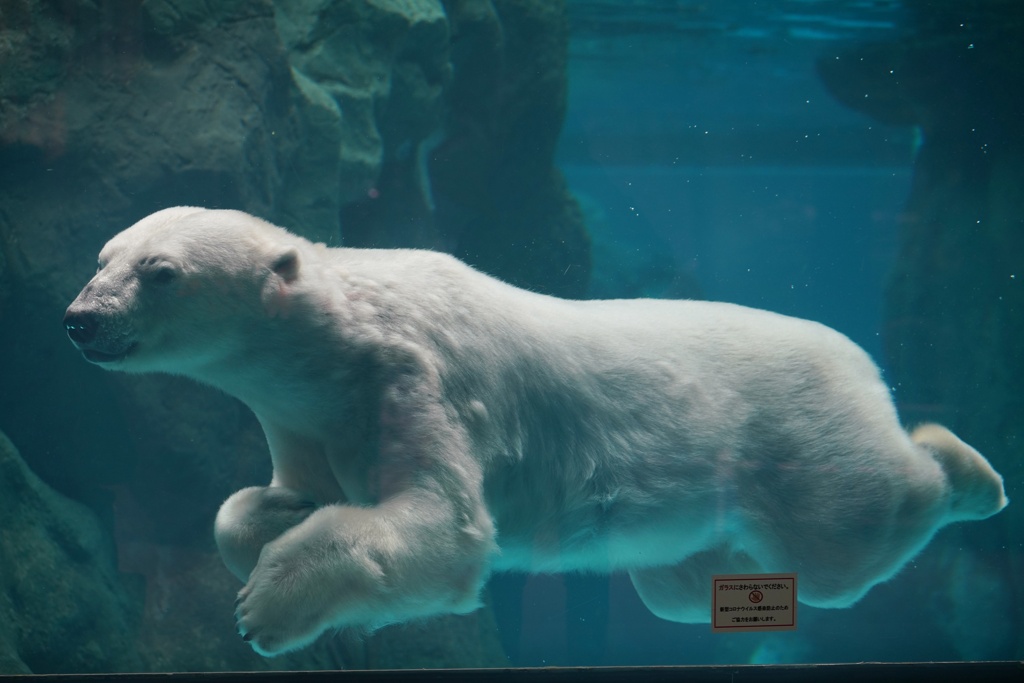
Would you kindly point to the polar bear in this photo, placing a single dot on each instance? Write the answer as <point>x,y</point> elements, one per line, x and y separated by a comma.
<point>429,424</point>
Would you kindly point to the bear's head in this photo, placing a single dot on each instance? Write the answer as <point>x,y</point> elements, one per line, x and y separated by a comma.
<point>181,289</point>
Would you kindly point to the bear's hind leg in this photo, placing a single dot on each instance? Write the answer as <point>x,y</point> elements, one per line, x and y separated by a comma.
<point>682,592</point>
<point>253,517</point>
<point>976,488</point>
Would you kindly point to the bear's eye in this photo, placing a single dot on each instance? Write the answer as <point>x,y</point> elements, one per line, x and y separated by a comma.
<point>99,266</point>
<point>157,271</point>
<point>162,275</point>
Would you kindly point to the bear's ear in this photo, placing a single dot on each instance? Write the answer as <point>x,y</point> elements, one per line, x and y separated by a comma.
<point>276,294</point>
<point>286,264</point>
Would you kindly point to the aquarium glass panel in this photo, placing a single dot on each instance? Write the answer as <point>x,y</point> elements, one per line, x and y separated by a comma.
<point>418,334</point>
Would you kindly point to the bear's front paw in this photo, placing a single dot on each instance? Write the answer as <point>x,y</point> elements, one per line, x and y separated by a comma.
<point>280,608</point>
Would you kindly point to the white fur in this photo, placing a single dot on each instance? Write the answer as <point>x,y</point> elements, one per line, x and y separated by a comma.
<point>429,424</point>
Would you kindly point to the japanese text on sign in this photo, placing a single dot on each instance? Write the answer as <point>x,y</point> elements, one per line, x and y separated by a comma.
<point>753,602</point>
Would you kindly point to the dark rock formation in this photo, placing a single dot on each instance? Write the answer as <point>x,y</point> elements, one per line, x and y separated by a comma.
<point>63,606</point>
<point>478,181</point>
<point>955,305</point>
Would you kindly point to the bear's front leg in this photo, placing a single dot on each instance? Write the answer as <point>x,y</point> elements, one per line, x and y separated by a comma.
<point>253,517</point>
<point>411,556</point>
<point>423,548</point>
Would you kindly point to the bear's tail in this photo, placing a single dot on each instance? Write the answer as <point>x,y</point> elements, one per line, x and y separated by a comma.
<point>976,490</point>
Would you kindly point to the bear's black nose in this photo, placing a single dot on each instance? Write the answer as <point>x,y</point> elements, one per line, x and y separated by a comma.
<point>81,327</point>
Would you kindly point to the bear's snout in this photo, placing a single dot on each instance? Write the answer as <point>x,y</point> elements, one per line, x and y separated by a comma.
<point>98,340</point>
<point>81,326</point>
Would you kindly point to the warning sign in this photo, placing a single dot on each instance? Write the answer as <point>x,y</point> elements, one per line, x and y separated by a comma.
<point>753,602</point>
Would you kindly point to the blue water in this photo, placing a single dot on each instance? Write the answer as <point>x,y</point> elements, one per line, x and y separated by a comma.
<point>704,130</point>
<point>813,242</point>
